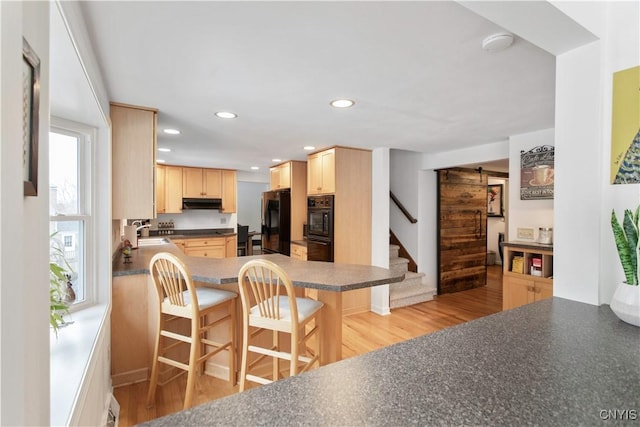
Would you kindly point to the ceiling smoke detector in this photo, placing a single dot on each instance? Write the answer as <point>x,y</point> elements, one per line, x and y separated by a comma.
<point>497,42</point>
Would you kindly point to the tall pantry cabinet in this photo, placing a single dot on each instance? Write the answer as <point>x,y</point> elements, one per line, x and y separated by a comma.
<point>346,173</point>
<point>133,145</point>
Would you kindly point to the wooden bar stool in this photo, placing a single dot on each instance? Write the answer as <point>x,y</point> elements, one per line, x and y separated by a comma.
<point>269,303</point>
<point>179,298</point>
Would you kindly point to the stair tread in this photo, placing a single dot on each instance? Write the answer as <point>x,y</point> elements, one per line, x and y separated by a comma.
<point>393,247</point>
<point>398,260</point>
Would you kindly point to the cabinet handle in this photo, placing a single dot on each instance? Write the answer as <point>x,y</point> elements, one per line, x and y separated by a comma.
<point>319,188</point>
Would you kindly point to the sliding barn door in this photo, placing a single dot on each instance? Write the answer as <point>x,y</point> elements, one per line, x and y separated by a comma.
<point>462,229</point>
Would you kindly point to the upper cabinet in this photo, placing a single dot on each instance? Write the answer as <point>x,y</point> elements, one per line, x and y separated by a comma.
<point>161,182</point>
<point>173,189</point>
<point>321,172</point>
<point>280,176</point>
<point>229,191</point>
<point>201,183</point>
<point>133,145</point>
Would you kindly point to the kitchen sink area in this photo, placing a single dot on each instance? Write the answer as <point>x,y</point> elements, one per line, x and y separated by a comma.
<point>152,241</point>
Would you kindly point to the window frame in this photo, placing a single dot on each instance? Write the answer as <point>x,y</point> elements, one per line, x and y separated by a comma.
<point>86,136</point>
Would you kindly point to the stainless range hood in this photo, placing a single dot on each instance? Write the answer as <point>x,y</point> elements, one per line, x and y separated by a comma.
<point>201,204</point>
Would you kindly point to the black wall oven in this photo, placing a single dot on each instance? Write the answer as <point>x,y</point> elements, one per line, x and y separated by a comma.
<point>320,228</point>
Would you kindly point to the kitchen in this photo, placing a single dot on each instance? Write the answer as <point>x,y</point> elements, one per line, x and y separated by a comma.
<point>589,290</point>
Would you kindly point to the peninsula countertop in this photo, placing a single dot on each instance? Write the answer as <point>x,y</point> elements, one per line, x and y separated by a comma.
<point>320,275</point>
<point>554,362</point>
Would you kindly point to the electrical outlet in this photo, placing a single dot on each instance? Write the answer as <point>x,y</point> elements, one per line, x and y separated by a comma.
<point>223,221</point>
<point>525,233</point>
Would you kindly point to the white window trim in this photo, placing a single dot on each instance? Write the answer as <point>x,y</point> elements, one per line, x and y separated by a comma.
<point>86,183</point>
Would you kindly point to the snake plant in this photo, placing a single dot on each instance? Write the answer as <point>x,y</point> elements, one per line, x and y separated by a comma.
<point>627,242</point>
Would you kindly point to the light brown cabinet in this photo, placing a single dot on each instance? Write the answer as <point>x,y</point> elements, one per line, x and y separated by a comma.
<point>346,173</point>
<point>211,247</point>
<point>280,176</point>
<point>529,278</point>
<point>321,172</point>
<point>168,189</point>
<point>201,183</point>
<point>298,252</point>
<point>133,145</point>
<point>229,191</point>
<point>161,181</point>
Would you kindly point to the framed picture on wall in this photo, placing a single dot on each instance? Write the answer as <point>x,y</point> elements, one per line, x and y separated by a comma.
<point>494,200</point>
<point>30,110</point>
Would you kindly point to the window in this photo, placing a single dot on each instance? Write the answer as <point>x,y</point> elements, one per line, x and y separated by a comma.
<point>70,202</point>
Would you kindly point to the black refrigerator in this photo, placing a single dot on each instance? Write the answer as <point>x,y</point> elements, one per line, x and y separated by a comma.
<point>276,222</point>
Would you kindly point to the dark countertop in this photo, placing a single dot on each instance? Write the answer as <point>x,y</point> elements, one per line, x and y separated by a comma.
<point>554,362</point>
<point>300,242</point>
<point>192,233</point>
<point>528,245</point>
<point>306,274</point>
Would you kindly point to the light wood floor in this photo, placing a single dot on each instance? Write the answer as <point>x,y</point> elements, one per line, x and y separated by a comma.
<point>362,333</point>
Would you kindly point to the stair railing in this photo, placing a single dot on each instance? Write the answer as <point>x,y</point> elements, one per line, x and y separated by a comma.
<point>404,210</point>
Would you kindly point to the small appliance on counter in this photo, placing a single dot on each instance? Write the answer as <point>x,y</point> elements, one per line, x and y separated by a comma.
<point>545,235</point>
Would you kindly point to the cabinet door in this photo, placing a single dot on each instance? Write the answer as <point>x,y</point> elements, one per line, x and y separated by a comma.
<point>543,290</point>
<point>160,188</point>
<point>314,174</point>
<point>133,137</point>
<point>231,247</point>
<point>329,171</point>
<point>173,189</point>
<point>192,183</point>
<point>179,243</point>
<point>229,191</point>
<point>212,183</point>
<point>274,178</point>
<point>516,292</point>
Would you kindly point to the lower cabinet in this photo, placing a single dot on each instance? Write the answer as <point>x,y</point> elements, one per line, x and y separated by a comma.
<point>212,247</point>
<point>298,252</point>
<point>527,274</point>
<point>518,291</point>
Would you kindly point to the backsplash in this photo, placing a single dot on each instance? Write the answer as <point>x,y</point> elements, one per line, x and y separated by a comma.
<point>197,219</point>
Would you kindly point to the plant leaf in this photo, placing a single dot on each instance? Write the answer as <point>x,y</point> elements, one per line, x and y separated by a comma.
<point>630,228</point>
<point>623,248</point>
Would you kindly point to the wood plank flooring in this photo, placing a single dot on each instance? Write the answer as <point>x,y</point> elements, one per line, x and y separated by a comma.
<point>362,333</point>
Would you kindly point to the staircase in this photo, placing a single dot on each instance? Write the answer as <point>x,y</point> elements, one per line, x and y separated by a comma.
<point>411,290</point>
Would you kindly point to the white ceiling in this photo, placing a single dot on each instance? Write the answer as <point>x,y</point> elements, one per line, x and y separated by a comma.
<point>416,70</point>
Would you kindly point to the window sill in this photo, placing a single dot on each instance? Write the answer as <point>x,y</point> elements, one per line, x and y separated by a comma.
<point>70,355</point>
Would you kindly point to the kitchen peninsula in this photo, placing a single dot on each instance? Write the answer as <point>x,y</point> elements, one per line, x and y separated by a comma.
<point>553,362</point>
<point>330,280</point>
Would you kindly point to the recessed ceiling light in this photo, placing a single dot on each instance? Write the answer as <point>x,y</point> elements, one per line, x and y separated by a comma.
<point>160,161</point>
<point>276,160</point>
<point>309,147</point>
<point>342,103</point>
<point>164,150</point>
<point>255,168</point>
<point>226,115</point>
<point>172,131</point>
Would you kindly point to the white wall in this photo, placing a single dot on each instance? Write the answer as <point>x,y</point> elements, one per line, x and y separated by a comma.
<point>249,203</point>
<point>588,269</point>
<point>380,225</point>
<point>527,213</point>
<point>200,219</point>
<point>24,237</point>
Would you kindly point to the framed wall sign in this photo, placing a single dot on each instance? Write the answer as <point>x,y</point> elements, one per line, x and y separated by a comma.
<point>537,173</point>
<point>494,200</point>
<point>625,127</point>
<point>30,110</point>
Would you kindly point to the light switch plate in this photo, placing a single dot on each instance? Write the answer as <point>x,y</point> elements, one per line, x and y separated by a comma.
<point>525,233</point>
